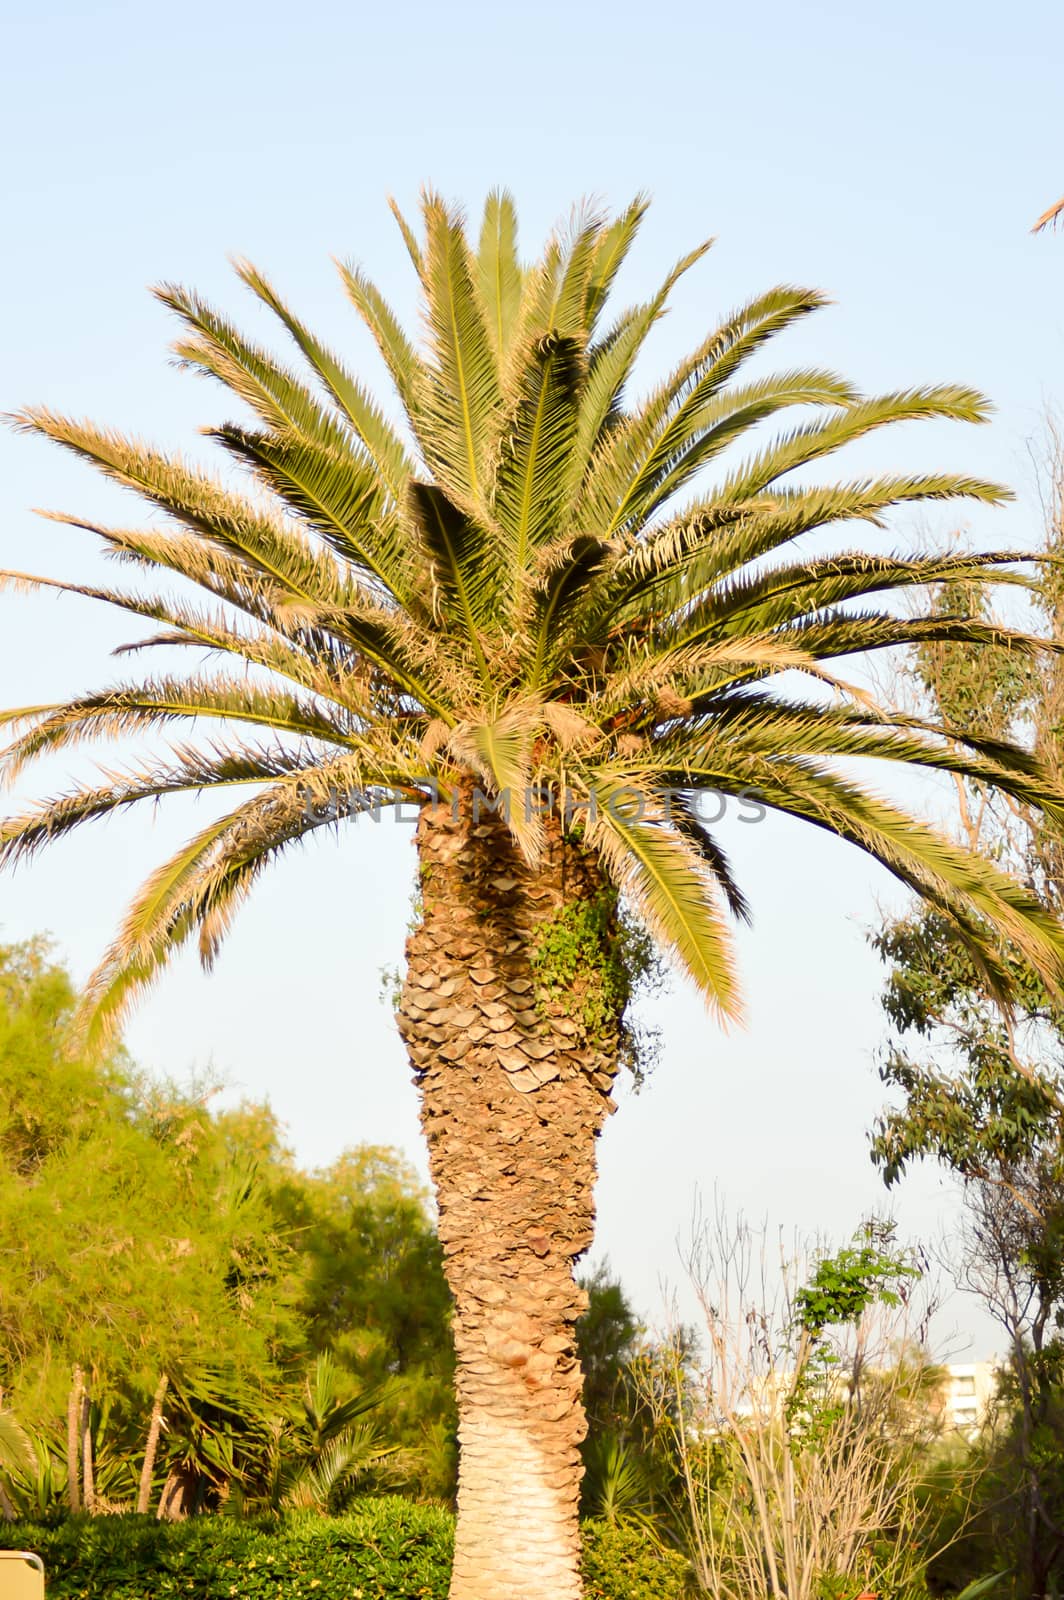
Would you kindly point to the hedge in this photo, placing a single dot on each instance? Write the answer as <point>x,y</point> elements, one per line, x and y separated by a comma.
<point>382,1549</point>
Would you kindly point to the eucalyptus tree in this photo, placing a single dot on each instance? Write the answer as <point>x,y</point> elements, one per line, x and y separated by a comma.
<point>518,610</point>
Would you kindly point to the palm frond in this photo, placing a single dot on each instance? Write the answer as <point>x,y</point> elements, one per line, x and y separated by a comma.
<point>499,271</point>
<point>560,593</point>
<point>206,881</point>
<point>725,536</point>
<point>702,429</point>
<point>339,497</point>
<point>397,351</point>
<point>666,882</point>
<point>129,709</point>
<point>610,363</point>
<point>531,480</point>
<point>985,906</point>
<point>16,1452</point>
<point>568,313</point>
<point>413,249</point>
<point>289,657</point>
<point>499,751</point>
<point>1050,217</point>
<point>271,548</point>
<point>217,349</point>
<point>786,593</point>
<point>464,560</point>
<point>459,390</point>
<point>22,836</point>
<point>366,418</point>
<point>625,450</point>
<point>809,443</point>
<point>611,250</point>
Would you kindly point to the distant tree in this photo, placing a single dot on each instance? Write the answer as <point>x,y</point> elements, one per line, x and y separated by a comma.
<point>608,1336</point>
<point>373,1296</point>
<point>177,1259</point>
<point>135,1241</point>
<point>631,1472</point>
<point>982,1086</point>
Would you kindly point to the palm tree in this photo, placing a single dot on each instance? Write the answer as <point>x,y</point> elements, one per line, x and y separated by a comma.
<point>505,612</point>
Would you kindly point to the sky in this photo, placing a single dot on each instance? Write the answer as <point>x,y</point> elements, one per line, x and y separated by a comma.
<point>894,156</point>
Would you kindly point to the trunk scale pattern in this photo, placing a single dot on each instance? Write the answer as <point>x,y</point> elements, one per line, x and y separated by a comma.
<point>513,1096</point>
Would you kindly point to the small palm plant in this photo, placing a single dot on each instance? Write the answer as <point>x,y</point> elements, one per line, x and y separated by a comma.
<point>546,614</point>
<point>332,1446</point>
<point>19,1461</point>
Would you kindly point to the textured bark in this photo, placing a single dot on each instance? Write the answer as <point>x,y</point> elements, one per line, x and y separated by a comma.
<point>73,1442</point>
<point>178,1497</point>
<point>513,1096</point>
<point>151,1447</point>
<point>88,1477</point>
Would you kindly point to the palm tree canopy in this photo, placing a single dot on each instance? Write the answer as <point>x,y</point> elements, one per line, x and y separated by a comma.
<point>526,582</point>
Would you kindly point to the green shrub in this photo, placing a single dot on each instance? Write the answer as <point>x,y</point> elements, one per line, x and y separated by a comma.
<point>382,1549</point>
<point>621,1563</point>
<point>385,1549</point>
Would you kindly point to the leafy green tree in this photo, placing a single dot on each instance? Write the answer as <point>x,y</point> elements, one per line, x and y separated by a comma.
<point>607,1340</point>
<point>373,1297</point>
<point>134,1242</point>
<point>522,613</point>
<point>980,1091</point>
<point>152,1240</point>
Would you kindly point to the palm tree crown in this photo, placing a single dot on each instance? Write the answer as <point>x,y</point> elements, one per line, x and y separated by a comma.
<point>522,586</point>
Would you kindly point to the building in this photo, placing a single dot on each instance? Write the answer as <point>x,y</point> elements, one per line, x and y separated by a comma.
<point>967,1391</point>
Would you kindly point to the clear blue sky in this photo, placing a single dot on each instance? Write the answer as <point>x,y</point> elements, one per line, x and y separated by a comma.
<point>893,154</point>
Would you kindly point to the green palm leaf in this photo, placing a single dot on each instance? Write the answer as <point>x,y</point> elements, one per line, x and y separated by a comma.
<point>396,349</point>
<point>531,480</point>
<point>459,391</point>
<point>16,1451</point>
<point>499,270</point>
<point>666,882</point>
<point>385,447</point>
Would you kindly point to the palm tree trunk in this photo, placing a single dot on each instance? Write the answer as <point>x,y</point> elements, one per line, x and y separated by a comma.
<point>88,1476</point>
<point>73,1442</point>
<point>513,1095</point>
<point>151,1447</point>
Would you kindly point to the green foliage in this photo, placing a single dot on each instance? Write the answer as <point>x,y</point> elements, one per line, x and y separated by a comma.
<point>130,1225</point>
<point>845,1284</point>
<point>144,1235</point>
<point>982,692</point>
<point>590,959</point>
<point>372,1293</point>
<point>578,960</point>
<point>629,1472</point>
<point>981,1093</point>
<point>607,1338</point>
<point>622,1563</point>
<point>618,1486</point>
<point>381,1549</point>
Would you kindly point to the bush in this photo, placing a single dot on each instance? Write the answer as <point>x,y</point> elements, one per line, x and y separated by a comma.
<point>621,1563</point>
<point>382,1549</point>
